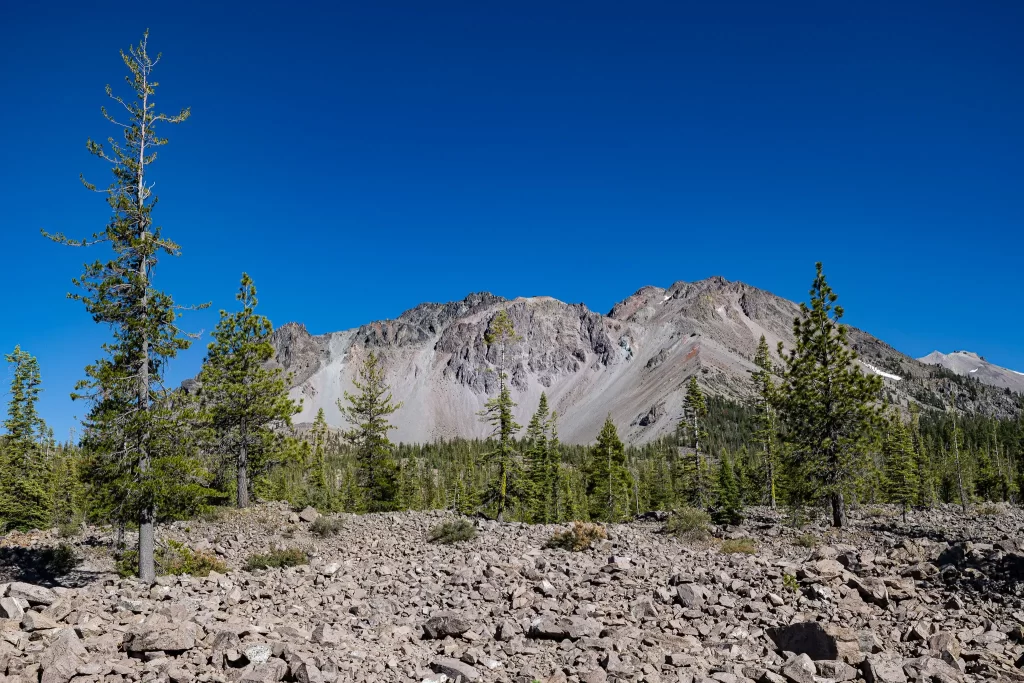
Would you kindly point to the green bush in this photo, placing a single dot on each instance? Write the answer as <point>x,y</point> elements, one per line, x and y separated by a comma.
<point>747,546</point>
<point>325,527</point>
<point>452,532</point>
<point>69,529</point>
<point>61,559</point>
<point>277,557</point>
<point>173,559</point>
<point>580,536</point>
<point>790,583</point>
<point>805,540</point>
<point>990,509</point>
<point>689,523</point>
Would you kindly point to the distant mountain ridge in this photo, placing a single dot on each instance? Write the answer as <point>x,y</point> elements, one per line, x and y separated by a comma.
<point>969,364</point>
<point>632,363</point>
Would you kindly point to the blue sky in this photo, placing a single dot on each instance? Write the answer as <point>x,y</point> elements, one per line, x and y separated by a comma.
<point>360,158</point>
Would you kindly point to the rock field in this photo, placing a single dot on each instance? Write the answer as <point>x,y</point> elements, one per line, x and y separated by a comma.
<point>936,599</point>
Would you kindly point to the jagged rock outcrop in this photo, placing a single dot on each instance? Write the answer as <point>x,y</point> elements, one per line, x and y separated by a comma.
<point>632,363</point>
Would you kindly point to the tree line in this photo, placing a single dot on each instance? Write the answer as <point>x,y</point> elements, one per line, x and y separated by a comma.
<point>816,431</point>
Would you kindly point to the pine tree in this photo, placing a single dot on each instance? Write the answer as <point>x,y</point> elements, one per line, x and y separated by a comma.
<point>767,420</point>
<point>247,402</point>
<point>610,481</point>
<point>730,506</point>
<point>900,468</point>
<point>957,438</point>
<point>368,414</point>
<point>555,500</point>
<point>25,500</point>
<point>124,386</point>
<point>693,427</point>
<point>498,413</point>
<point>321,494</point>
<point>537,466</point>
<point>826,402</point>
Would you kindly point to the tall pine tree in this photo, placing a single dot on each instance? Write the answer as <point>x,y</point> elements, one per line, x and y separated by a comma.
<point>694,430</point>
<point>367,412</point>
<point>247,402</point>
<point>498,413</point>
<point>767,420</point>
<point>827,403</point>
<point>25,500</point>
<point>609,482</point>
<point>900,468</point>
<point>125,385</point>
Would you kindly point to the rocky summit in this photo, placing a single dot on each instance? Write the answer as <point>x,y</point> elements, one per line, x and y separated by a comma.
<point>935,599</point>
<point>632,363</point>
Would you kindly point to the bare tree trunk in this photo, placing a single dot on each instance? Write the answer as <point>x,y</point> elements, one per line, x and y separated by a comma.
<point>243,468</point>
<point>838,510</point>
<point>959,469</point>
<point>147,515</point>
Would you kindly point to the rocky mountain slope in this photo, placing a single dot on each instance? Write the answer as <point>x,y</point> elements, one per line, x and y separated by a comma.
<point>632,363</point>
<point>968,364</point>
<point>937,599</point>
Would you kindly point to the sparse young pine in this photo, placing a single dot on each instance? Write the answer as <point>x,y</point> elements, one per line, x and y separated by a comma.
<point>321,495</point>
<point>730,506</point>
<point>368,414</point>
<point>609,482</point>
<point>827,403</point>
<point>124,386</point>
<point>693,429</point>
<point>25,497</point>
<point>900,468</point>
<point>542,465</point>
<point>767,420</point>
<point>498,413</point>
<point>247,402</point>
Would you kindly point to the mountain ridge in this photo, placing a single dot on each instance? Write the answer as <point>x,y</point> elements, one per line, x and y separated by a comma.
<point>632,363</point>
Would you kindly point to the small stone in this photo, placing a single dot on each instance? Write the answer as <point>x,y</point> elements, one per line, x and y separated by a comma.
<point>453,668</point>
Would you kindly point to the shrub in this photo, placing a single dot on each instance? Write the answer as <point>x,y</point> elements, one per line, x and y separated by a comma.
<point>689,523</point>
<point>214,513</point>
<point>452,532</point>
<point>325,527</point>
<point>747,546</point>
<point>277,557</point>
<point>61,559</point>
<point>580,536</point>
<point>69,529</point>
<point>175,559</point>
<point>790,583</point>
<point>805,540</point>
<point>990,509</point>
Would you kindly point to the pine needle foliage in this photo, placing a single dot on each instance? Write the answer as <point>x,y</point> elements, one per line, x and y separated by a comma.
<point>368,413</point>
<point>125,384</point>
<point>25,498</point>
<point>503,491</point>
<point>827,403</point>
<point>246,402</point>
<point>610,481</point>
<point>900,466</point>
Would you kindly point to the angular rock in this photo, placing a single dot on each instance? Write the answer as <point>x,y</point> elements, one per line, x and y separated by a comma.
<point>34,595</point>
<point>454,669</point>
<point>883,668</point>
<point>63,656</point>
<point>690,595</point>
<point>444,625</point>
<point>574,628</point>
<point>168,638</point>
<point>309,514</point>
<point>800,669</point>
<point>807,638</point>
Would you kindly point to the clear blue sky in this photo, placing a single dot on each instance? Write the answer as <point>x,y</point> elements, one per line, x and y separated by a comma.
<point>359,158</point>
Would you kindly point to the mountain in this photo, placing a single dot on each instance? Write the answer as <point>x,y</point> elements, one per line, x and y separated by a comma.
<point>968,364</point>
<point>632,363</point>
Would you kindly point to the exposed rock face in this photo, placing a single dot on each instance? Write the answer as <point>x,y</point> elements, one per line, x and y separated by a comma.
<point>973,366</point>
<point>633,363</point>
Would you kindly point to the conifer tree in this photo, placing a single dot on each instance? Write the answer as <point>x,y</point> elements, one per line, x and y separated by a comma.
<point>610,481</point>
<point>957,437</point>
<point>368,413</point>
<point>25,500</point>
<point>247,402</point>
<point>826,401</point>
<point>900,468</point>
<point>767,421</point>
<point>120,293</point>
<point>730,506</point>
<point>694,428</point>
<point>498,413</point>
<point>322,495</point>
<point>538,467</point>
<point>554,499</point>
